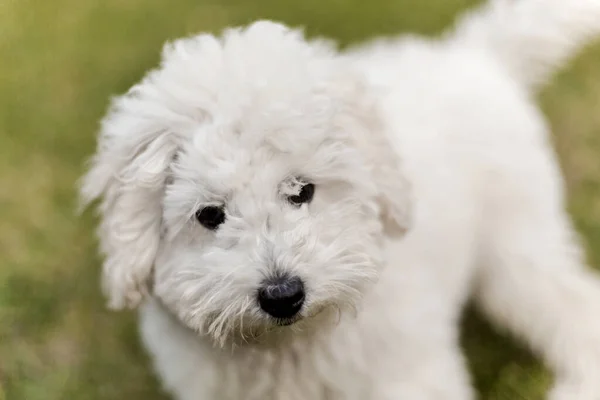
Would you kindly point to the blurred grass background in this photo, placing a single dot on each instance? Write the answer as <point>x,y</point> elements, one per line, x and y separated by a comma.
<point>61,60</point>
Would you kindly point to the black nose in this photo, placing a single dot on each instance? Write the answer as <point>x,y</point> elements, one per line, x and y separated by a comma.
<point>282,297</point>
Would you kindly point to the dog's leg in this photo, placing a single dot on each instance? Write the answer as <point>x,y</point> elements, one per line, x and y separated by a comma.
<point>185,368</point>
<point>439,372</point>
<point>412,331</point>
<point>534,281</point>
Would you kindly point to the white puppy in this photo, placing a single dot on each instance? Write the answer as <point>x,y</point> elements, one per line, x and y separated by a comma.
<point>302,224</point>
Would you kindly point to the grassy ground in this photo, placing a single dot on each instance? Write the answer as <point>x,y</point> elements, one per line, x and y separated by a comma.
<point>60,60</point>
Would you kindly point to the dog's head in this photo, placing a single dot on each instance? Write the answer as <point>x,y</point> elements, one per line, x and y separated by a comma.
<point>247,181</point>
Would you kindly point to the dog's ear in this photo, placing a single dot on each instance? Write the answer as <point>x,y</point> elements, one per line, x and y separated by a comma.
<point>393,187</point>
<point>137,143</point>
<point>128,173</point>
<point>373,141</point>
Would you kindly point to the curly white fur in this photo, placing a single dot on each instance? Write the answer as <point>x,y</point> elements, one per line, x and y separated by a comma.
<point>435,180</point>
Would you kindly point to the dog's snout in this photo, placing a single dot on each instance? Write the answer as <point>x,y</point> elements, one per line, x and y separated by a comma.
<point>282,297</point>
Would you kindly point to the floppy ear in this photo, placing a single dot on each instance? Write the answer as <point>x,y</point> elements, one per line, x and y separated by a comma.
<point>137,143</point>
<point>128,172</point>
<point>394,189</point>
<point>374,143</point>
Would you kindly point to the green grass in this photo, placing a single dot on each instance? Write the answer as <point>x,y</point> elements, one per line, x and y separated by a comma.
<point>61,60</point>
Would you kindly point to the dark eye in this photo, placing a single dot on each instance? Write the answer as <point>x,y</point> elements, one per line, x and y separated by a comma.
<point>305,196</point>
<point>211,217</point>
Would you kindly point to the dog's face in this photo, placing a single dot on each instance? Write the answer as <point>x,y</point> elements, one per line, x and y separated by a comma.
<point>250,180</point>
<point>266,227</point>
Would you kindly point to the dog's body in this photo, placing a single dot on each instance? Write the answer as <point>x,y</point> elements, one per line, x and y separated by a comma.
<point>477,190</point>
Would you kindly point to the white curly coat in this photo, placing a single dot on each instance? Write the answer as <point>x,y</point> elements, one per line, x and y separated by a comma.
<point>435,181</point>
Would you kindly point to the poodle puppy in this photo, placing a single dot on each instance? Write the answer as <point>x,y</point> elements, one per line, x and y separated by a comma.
<point>296,222</point>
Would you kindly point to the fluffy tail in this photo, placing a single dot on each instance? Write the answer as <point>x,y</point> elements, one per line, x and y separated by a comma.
<point>531,38</point>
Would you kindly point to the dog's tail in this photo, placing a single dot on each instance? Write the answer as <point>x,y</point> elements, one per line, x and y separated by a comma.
<point>531,38</point>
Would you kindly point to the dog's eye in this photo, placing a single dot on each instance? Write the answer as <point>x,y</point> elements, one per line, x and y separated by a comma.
<point>305,196</point>
<point>211,217</point>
